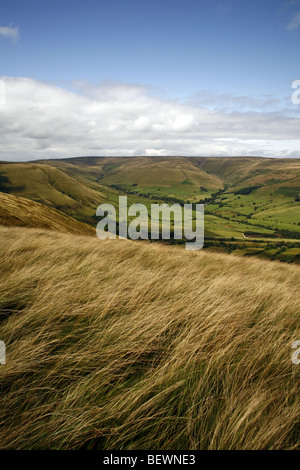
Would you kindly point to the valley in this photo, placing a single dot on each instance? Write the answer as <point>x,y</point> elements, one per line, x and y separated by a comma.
<point>252,204</point>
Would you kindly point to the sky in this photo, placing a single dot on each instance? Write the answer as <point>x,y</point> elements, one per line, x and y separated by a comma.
<point>140,77</point>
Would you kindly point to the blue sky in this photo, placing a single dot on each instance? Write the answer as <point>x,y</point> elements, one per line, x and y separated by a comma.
<point>181,46</point>
<point>222,55</point>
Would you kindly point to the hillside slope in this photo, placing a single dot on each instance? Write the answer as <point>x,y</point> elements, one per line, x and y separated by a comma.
<point>161,176</point>
<point>252,204</point>
<point>182,175</point>
<point>18,211</point>
<point>50,186</point>
<point>128,345</point>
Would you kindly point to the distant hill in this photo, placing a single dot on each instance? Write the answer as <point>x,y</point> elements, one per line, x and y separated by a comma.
<point>244,197</point>
<point>18,211</point>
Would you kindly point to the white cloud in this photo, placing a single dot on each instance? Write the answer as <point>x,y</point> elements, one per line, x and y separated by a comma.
<point>40,120</point>
<point>184,122</point>
<point>142,123</point>
<point>295,22</point>
<point>9,32</point>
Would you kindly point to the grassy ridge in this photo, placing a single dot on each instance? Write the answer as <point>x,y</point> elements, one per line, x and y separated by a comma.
<point>271,205</point>
<point>51,187</point>
<point>124,345</point>
<point>19,211</point>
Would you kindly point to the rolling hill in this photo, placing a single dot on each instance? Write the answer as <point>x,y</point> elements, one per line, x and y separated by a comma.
<point>18,211</point>
<point>137,345</point>
<point>252,204</point>
<point>50,186</point>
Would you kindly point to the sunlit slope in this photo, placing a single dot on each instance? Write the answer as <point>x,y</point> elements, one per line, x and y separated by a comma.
<point>236,170</point>
<point>130,345</point>
<point>242,194</point>
<point>18,211</point>
<point>175,177</point>
<point>50,186</point>
<point>150,171</point>
<point>255,194</point>
<point>185,177</point>
<point>263,193</point>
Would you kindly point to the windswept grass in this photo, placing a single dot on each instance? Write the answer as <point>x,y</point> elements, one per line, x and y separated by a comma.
<point>21,212</point>
<point>128,345</point>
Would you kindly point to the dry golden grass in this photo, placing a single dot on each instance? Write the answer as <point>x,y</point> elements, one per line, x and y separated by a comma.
<point>131,345</point>
<point>22,212</point>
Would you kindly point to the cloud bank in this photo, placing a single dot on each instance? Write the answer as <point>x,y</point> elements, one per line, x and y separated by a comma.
<point>40,120</point>
<point>9,32</point>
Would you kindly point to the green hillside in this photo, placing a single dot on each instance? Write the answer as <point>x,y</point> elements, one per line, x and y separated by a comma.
<point>253,200</point>
<point>52,187</point>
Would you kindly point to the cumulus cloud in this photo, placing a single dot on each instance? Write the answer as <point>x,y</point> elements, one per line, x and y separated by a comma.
<point>184,122</point>
<point>9,32</point>
<point>40,120</point>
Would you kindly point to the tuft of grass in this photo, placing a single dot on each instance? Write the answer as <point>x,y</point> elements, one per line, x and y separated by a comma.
<point>125,345</point>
